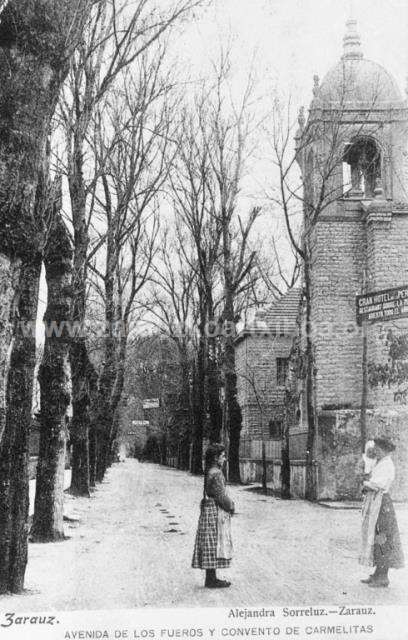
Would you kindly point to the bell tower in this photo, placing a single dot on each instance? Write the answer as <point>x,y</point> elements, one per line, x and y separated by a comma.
<point>353,152</point>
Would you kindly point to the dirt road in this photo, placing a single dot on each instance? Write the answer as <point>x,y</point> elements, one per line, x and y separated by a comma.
<point>133,547</point>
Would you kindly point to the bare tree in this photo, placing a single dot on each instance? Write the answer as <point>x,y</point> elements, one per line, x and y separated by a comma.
<point>37,41</point>
<point>205,190</point>
<point>54,377</point>
<point>199,235</point>
<point>118,33</point>
<point>171,308</point>
<point>228,128</point>
<point>133,155</point>
<point>275,278</point>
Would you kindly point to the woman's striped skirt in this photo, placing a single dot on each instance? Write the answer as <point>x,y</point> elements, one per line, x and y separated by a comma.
<point>205,548</point>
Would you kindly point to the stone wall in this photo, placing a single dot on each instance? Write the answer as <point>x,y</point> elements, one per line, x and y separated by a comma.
<point>398,160</point>
<point>337,272</point>
<point>387,261</point>
<point>338,452</point>
<point>339,455</point>
<point>251,473</point>
<point>297,444</point>
<point>256,356</point>
<point>338,264</point>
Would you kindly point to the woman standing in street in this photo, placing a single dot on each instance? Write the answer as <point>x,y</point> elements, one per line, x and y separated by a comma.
<point>213,543</point>
<point>381,540</point>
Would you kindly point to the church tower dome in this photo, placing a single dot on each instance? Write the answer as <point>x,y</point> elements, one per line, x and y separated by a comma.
<point>357,82</point>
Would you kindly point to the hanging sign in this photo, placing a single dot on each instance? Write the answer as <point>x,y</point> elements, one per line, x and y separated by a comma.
<point>387,304</point>
<point>151,403</point>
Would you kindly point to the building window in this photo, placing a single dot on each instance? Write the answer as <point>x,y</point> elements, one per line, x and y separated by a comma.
<point>275,429</point>
<point>364,168</point>
<point>282,367</point>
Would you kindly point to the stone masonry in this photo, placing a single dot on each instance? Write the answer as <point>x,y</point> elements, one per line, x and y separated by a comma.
<point>262,352</point>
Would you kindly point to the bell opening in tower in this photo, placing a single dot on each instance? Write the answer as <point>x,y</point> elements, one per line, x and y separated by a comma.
<point>361,168</point>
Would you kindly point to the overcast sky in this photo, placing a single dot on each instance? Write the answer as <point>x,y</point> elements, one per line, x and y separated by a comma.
<point>295,39</point>
<point>292,40</point>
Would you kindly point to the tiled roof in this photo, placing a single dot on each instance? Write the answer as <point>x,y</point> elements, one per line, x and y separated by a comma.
<point>285,308</point>
<point>279,318</point>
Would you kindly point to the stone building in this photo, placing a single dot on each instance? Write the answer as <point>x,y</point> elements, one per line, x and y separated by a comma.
<point>262,351</point>
<point>358,121</point>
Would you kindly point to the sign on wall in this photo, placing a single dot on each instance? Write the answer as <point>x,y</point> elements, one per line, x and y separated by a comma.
<point>151,403</point>
<point>387,304</point>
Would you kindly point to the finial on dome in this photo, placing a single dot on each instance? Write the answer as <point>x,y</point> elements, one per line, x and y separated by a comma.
<point>406,85</point>
<point>316,81</point>
<point>352,42</point>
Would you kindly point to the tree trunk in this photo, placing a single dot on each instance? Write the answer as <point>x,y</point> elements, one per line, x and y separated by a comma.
<point>198,407</point>
<point>9,272</point>
<point>110,393</point>
<point>264,470</point>
<point>198,399</point>
<point>285,454</point>
<point>310,493</point>
<point>213,377</point>
<point>14,500</point>
<point>106,405</point>
<point>114,443</point>
<point>92,455</point>
<point>102,453</point>
<point>234,416</point>
<point>80,373</point>
<point>120,367</point>
<point>214,405</point>
<point>185,432</point>
<point>199,394</point>
<point>183,454</point>
<point>54,377</point>
<point>364,391</point>
<point>80,365</point>
<point>93,429</point>
<point>36,44</point>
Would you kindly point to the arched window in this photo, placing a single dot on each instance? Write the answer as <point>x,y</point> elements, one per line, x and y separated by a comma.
<point>361,168</point>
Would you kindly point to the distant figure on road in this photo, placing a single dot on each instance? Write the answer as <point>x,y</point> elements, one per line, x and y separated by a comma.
<point>213,543</point>
<point>381,545</point>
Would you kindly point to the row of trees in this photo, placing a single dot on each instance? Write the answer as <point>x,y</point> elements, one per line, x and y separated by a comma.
<point>84,102</point>
<point>207,276</point>
<point>99,149</point>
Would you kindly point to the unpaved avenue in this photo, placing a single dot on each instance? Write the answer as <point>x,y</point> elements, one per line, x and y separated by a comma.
<point>134,543</point>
